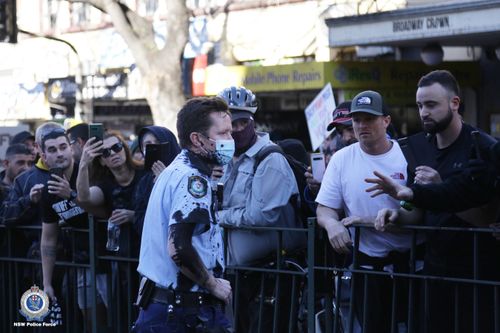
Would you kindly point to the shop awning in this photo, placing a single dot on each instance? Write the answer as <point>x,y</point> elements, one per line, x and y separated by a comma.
<point>473,23</point>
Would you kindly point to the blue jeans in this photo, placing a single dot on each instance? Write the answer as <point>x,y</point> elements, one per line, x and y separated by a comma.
<point>156,318</point>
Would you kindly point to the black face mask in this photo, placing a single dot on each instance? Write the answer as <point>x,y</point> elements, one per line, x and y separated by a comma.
<point>244,139</point>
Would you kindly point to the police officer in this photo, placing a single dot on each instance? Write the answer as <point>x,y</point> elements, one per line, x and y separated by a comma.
<point>181,258</point>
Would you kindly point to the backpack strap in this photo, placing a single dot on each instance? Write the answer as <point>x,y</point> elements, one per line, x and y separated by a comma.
<point>264,152</point>
<point>415,151</point>
<point>407,150</point>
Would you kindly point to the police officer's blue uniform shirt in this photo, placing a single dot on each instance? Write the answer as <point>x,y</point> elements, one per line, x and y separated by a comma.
<point>181,194</point>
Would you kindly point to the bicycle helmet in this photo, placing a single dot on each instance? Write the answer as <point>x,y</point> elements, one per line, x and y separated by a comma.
<point>239,99</point>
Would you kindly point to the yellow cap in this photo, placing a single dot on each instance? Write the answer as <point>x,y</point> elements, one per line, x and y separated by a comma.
<point>70,122</point>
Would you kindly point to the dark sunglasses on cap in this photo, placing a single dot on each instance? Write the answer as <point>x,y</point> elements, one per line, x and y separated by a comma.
<point>117,147</point>
<point>53,133</point>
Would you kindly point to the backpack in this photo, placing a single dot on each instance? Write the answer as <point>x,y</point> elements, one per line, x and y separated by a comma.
<point>302,210</point>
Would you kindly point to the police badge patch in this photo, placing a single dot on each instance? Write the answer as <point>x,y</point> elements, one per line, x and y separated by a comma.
<point>34,304</point>
<point>197,186</point>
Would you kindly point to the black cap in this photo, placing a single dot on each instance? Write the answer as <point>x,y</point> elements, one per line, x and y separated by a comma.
<point>368,102</point>
<point>21,137</point>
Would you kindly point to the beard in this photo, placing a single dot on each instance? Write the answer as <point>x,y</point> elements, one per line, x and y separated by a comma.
<point>433,127</point>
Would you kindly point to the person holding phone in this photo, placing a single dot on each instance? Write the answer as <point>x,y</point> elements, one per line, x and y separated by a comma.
<point>106,182</point>
<point>342,127</point>
<point>58,202</point>
<point>148,136</point>
<point>78,135</point>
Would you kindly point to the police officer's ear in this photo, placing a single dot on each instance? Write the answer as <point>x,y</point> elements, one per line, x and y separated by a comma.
<point>196,139</point>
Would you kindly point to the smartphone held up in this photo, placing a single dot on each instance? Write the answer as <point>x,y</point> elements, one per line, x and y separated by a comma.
<point>318,165</point>
<point>96,130</point>
<point>156,152</point>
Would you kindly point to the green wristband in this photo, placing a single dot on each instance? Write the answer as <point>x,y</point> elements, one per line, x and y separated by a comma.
<point>406,205</point>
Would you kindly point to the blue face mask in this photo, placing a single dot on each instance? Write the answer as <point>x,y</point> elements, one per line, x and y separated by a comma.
<point>224,151</point>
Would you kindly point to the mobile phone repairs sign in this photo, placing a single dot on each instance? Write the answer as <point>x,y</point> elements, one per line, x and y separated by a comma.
<point>319,115</point>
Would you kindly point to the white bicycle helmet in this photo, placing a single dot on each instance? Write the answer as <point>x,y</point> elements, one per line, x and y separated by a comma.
<point>239,98</point>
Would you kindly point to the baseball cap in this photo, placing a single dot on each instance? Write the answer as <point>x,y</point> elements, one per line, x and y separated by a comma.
<point>341,115</point>
<point>369,102</point>
<point>240,114</point>
<point>21,137</point>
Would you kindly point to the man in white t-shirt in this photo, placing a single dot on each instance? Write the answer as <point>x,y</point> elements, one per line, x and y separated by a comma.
<point>343,193</point>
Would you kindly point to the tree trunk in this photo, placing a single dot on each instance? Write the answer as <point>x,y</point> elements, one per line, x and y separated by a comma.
<point>160,69</point>
<point>165,96</point>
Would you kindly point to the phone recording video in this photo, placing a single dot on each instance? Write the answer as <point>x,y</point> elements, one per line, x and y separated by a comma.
<point>156,152</point>
<point>96,130</point>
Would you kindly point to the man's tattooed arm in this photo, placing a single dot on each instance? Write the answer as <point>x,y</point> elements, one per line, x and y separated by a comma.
<point>48,247</point>
<point>184,255</point>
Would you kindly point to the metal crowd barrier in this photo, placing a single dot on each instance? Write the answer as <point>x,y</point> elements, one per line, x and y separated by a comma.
<point>321,293</point>
<point>19,273</point>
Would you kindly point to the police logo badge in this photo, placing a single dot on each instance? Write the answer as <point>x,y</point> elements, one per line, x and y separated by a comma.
<point>34,304</point>
<point>197,186</point>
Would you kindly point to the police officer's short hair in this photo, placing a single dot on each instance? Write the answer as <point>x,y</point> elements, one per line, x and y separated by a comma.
<point>443,77</point>
<point>195,117</point>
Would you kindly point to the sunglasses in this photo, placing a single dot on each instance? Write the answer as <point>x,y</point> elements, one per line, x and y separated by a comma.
<point>117,147</point>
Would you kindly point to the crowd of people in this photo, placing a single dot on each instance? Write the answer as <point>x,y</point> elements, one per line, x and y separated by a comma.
<point>214,180</point>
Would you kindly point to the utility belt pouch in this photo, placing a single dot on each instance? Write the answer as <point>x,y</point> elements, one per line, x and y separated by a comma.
<point>146,290</point>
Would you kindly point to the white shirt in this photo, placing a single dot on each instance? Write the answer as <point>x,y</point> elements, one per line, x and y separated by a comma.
<point>343,188</point>
<point>179,191</point>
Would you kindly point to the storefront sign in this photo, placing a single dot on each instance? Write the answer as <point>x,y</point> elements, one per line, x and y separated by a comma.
<point>319,115</point>
<point>377,75</point>
<point>342,75</point>
<point>302,76</point>
<point>106,86</point>
<point>425,23</point>
<point>61,90</point>
<point>392,28</point>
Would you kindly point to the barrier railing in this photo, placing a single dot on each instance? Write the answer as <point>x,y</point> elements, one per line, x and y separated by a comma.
<point>315,288</point>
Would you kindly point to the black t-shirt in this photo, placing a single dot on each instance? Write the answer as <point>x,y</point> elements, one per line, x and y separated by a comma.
<point>122,197</point>
<point>55,209</point>
<point>451,252</point>
<point>67,213</point>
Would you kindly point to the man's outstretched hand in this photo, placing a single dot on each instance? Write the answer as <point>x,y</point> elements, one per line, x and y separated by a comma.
<point>385,185</point>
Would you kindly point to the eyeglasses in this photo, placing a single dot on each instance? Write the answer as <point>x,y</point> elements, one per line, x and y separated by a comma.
<point>117,147</point>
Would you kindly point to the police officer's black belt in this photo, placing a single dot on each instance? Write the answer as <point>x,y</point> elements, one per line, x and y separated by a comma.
<point>183,299</point>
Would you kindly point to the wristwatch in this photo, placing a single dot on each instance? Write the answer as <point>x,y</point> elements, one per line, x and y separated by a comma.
<point>73,195</point>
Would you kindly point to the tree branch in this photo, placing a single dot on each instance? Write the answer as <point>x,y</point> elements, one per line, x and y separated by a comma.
<point>137,31</point>
<point>177,30</point>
